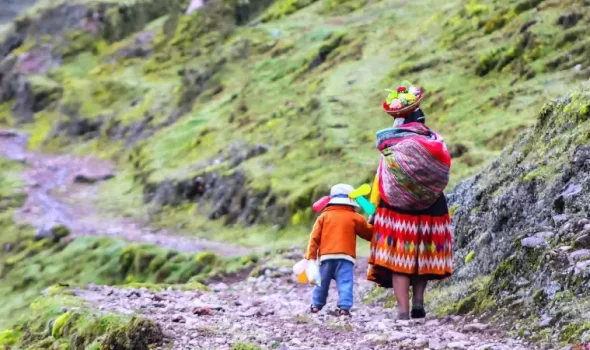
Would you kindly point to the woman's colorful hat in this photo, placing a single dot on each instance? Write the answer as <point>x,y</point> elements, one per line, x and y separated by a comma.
<point>403,100</point>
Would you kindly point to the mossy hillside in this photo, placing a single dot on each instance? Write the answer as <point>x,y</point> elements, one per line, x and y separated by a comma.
<point>309,84</point>
<point>33,265</point>
<point>59,320</point>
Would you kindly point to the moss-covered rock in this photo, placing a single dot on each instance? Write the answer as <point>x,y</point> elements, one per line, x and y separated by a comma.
<point>543,179</point>
<point>79,328</point>
<point>9,337</point>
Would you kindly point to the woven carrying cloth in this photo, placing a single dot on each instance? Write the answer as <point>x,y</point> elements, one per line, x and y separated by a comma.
<point>412,243</point>
<point>415,166</point>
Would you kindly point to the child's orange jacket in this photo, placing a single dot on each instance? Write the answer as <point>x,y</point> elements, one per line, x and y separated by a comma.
<point>334,234</point>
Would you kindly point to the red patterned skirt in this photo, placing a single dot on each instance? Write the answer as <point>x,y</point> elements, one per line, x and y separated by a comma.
<point>412,243</point>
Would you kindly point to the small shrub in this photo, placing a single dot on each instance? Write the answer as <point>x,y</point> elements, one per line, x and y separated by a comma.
<point>246,346</point>
<point>59,323</point>
<point>9,337</point>
<point>495,23</point>
<point>206,258</point>
<point>488,62</point>
<point>526,5</point>
<point>284,8</point>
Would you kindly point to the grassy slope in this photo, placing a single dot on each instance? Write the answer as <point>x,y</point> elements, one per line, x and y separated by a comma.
<point>485,80</point>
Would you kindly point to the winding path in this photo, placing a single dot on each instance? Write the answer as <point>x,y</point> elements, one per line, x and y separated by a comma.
<point>47,173</point>
<point>270,310</point>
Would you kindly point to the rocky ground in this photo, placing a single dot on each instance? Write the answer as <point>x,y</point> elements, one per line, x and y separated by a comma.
<point>272,312</point>
<point>77,180</point>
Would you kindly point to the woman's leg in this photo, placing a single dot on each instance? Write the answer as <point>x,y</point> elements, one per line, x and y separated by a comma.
<point>401,288</point>
<point>418,288</point>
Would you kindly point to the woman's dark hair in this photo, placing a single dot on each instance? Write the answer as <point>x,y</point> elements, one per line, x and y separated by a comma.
<point>417,116</point>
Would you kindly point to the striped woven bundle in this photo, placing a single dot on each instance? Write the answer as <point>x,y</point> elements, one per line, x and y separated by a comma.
<point>415,166</point>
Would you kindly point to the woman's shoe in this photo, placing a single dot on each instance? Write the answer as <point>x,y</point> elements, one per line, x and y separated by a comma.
<point>418,311</point>
<point>403,316</point>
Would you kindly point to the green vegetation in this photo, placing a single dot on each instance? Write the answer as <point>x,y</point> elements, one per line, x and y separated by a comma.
<point>11,197</point>
<point>245,346</point>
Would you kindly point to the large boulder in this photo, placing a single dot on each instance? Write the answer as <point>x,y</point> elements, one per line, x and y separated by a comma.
<point>524,220</point>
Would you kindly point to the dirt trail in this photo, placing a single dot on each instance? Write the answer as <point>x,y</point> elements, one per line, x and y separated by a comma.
<point>68,174</point>
<point>272,312</point>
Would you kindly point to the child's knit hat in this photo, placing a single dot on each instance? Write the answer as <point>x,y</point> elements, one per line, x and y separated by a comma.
<point>339,195</point>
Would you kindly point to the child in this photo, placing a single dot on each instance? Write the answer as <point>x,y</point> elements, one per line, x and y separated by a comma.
<point>333,239</point>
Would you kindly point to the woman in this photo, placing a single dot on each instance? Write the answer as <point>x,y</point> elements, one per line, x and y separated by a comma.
<point>412,240</point>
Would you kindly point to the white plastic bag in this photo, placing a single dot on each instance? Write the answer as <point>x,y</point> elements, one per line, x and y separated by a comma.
<point>300,271</point>
<point>300,267</point>
<point>313,273</point>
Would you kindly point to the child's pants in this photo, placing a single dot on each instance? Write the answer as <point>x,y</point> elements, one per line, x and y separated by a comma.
<point>342,271</point>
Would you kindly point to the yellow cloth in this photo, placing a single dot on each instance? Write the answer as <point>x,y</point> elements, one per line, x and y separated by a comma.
<point>375,197</point>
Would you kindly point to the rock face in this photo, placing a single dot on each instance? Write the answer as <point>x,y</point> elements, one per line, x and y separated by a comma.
<point>525,215</point>
<point>226,196</point>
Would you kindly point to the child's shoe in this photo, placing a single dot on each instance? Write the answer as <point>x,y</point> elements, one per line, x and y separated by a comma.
<point>314,310</point>
<point>343,312</point>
